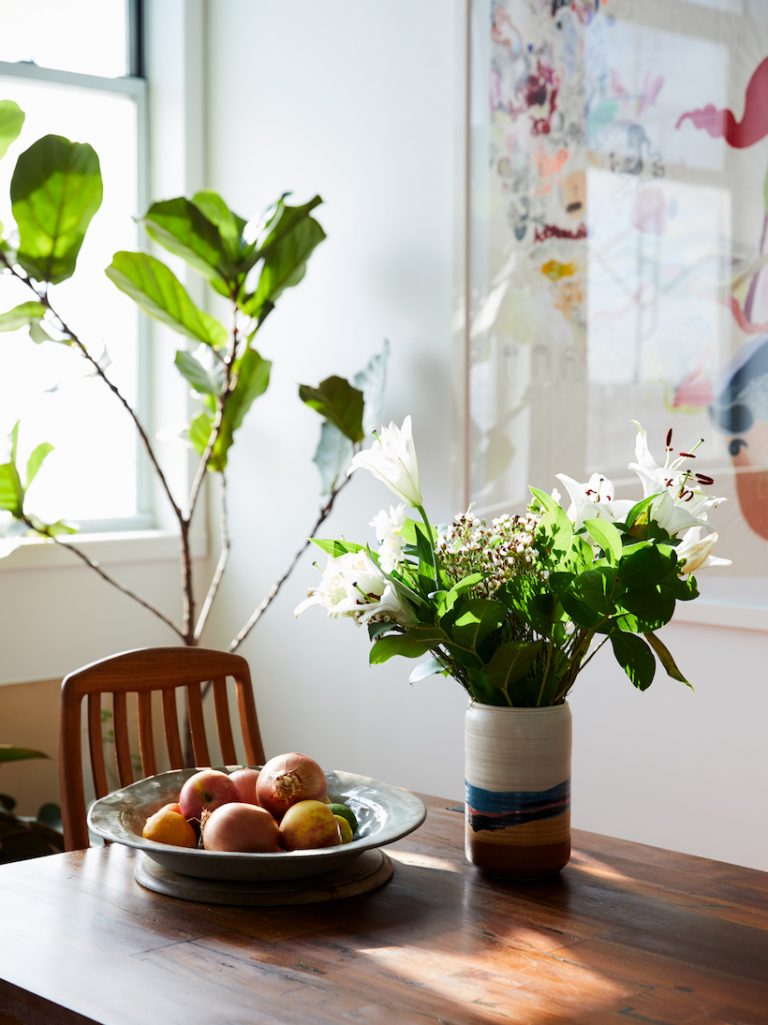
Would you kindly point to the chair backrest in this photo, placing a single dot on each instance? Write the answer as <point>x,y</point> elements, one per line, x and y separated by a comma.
<point>143,672</point>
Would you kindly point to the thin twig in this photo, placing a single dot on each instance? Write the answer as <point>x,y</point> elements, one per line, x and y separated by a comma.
<point>226,544</point>
<point>273,592</point>
<point>71,547</point>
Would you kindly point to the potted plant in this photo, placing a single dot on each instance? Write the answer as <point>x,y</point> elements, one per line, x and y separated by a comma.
<point>513,610</point>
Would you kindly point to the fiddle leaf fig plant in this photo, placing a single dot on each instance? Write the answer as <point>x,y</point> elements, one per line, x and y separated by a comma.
<point>246,269</point>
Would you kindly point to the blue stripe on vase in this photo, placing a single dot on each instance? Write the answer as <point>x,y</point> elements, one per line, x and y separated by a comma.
<point>490,809</point>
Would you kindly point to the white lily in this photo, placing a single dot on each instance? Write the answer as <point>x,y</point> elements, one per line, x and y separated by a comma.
<point>353,585</point>
<point>392,460</point>
<point>693,552</point>
<point>682,503</point>
<point>593,500</point>
<point>389,527</point>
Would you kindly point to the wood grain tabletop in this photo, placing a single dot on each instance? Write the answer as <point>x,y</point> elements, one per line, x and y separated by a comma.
<point>626,934</point>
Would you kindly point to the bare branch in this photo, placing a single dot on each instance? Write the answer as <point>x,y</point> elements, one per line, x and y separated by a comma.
<point>273,592</point>
<point>226,544</point>
<point>92,564</point>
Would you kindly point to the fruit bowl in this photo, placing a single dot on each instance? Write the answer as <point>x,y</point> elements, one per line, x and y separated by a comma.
<point>385,813</point>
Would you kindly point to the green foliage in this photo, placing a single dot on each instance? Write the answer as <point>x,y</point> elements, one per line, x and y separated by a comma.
<point>55,191</point>
<point>11,122</point>
<point>25,837</point>
<point>339,402</point>
<point>159,293</point>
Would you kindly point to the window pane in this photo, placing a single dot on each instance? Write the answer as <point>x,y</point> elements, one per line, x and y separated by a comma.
<point>87,36</point>
<point>92,472</point>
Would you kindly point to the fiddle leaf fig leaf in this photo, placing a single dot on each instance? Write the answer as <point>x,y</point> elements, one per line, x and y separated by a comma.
<point>339,402</point>
<point>11,122</point>
<point>332,456</point>
<point>36,460</point>
<point>291,236</point>
<point>371,381</point>
<point>252,381</point>
<point>181,227</point>
<point>11,490</point>
<point>55,191</point>
<point>195,373</point>
<point>199,431</point>
<point>21,316</point>
<point>157,290</point>
<point>229,225</point>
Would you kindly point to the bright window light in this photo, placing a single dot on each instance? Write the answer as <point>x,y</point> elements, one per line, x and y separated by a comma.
<point>86,36</point>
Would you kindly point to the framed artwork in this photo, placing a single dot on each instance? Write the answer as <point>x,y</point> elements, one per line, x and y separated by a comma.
<point>617,266</point>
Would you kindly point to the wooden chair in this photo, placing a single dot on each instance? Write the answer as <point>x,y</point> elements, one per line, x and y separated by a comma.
<point>143,672</point>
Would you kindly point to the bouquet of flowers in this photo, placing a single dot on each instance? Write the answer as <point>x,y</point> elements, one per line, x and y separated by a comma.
<point>515,607</point>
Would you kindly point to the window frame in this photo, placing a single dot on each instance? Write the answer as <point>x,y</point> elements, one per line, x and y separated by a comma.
<point>166,46</point>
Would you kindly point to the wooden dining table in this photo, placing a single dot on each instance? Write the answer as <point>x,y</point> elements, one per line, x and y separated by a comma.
<point>625,934</point>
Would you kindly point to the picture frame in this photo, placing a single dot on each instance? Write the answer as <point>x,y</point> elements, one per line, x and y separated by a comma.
<point>616,260</point>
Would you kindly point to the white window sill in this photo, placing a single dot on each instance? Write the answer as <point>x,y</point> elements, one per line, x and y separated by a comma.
<point>108,548</point>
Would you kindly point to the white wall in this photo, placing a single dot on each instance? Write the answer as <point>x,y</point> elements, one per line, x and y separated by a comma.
<point>362,103</point>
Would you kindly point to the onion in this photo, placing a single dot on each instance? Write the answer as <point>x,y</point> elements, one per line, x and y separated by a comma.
<point>287,779</point>
<point>245,780</point>
<point>244,828</point>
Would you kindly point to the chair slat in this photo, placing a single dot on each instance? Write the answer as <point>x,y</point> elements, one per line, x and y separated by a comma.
<point>122,743</point>
<point>223,724</point>
<point>171,725</point>
<point>197,724</point>
<point>146,737</point>
<point>249,724</point>
<point>96,745</point>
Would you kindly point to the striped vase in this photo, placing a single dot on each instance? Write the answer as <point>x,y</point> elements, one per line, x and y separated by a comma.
<point>517,772</point>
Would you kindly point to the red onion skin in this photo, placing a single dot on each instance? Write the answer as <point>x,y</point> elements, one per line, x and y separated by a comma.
<point>287,779</point>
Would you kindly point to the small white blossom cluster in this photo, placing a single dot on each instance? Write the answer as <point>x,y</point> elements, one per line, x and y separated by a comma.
<point>500,549</point>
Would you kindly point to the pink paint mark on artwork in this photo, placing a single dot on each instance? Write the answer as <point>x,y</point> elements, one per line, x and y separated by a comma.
<point>554,231</point>
<point>696,389</point>
<point>723,124</point>
<point>741,318</point>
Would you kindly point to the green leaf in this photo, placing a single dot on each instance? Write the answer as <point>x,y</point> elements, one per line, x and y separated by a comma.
<point>230,226</point>
<point>665,657</point>
<point>639,514</point>
<point>511,662</point>
<point>9,753</point>
<point>11,122</point>
<point>595,588</point>
<point>371,381</point>
<point>199,431</point>
<point>339,402</point>
<point>336,548</point>
<point>157,290</point>
<point>55,191</point>
<point>36,460</point>
<point>607,536</point>
<point>11,489</point>
<point>472,620</point>
<point>195,373</point>
<point>429,667</point>
<point>635,658</point>
<point>21,316</point>
<point>332,456</point>
<point>252,381</point>
<point>412,644</point>
<point>181,227</point>
<point>290,241</point>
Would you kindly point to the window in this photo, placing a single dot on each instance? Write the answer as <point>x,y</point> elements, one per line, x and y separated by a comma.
<point>88,87</point>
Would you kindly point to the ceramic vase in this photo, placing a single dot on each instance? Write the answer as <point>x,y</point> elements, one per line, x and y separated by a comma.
<point>518,784</point>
